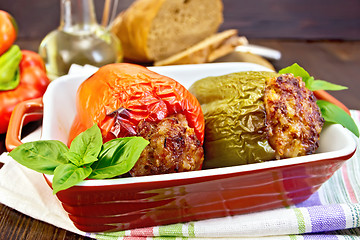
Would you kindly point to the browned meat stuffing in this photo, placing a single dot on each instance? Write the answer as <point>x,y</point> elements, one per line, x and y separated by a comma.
<point>173,147</point>
<point>293,119</point>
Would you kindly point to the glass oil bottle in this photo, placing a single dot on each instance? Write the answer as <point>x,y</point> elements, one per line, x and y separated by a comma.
<point>79,39</point>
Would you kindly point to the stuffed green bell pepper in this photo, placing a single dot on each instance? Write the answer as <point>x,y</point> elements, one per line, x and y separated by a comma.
<point>253,117</point>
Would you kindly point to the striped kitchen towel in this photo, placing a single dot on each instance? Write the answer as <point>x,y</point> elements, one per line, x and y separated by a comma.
<point>333,212</point>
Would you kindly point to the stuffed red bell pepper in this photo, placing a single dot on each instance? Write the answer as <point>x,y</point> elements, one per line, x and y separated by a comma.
<point>130,100</point>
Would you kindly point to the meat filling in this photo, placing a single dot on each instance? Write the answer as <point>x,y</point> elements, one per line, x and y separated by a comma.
<point>293,119</point>
<point>173,147</point>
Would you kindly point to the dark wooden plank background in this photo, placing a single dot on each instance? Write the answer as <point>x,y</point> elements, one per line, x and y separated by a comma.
<point>286,19</point>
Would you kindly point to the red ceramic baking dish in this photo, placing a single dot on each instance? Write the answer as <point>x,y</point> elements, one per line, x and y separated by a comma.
<point>126,203</point>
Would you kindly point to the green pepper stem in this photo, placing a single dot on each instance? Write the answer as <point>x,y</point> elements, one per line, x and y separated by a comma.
<point>9,68</point>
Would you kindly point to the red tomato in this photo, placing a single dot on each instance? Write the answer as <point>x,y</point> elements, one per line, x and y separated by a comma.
<point>8,31</point>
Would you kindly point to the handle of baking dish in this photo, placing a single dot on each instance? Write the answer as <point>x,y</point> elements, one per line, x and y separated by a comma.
<point>24,112</point>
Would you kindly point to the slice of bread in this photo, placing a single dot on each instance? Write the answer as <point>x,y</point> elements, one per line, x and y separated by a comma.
<point>208,50</point>
<point>236,56</point>
<point>151,30</point>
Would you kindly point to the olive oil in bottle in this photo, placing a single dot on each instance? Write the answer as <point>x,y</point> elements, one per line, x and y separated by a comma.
<point>79,39</point>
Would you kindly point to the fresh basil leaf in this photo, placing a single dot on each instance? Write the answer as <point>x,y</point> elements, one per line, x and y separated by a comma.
<point>310,82</point>
<point>89,159</point>
<point>42,156</point>
<point>296,70</point>
<point>74,158</point>
<point>87,143</point>
<point>68,175</point>
<point>324,85</point>
<point>117,157</point>
<point>334,114</point>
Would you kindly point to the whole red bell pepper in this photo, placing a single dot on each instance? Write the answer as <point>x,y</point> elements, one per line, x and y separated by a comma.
<point>8,31</point>
<point>33,82</point>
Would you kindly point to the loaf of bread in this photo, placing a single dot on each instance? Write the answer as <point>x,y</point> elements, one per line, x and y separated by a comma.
<point>208,50</point>
<point>152,30</point>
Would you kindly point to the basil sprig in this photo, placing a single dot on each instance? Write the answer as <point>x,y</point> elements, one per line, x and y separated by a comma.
<point>117,157</point>
<point>310,82</point>
<point>87,157</point>
<point>329,111</point>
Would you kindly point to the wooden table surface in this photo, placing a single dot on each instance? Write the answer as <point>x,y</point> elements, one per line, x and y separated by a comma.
<point>334,61</point>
